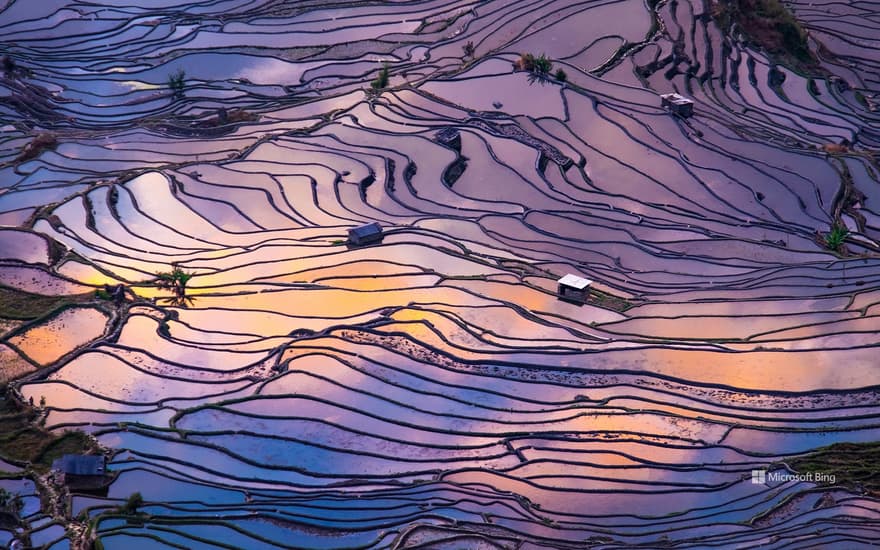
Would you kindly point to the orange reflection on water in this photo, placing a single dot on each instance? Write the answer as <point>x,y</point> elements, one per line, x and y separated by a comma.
<point>761,370</point>
<point>60,335</point>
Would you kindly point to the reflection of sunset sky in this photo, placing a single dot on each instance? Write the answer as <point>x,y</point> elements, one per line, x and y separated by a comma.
<point>317,393</point>
<point>70,329</point>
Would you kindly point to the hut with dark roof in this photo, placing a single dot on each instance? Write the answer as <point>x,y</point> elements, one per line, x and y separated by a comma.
<point>365,234</point>
<point>678,104</point>
<point>84,473</point>
<point>449,137</point>
<point>80,465</point>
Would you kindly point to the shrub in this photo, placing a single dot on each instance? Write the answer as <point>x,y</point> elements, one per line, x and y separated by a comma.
<point>769,24</point>
<point>135,501</point>
<point>538,67</point>
<point>560,75</point>
<point>543,65</point>
<point>42,142</point>
<point>177,82</point>
<point>9,65</point>
<point>11,503</point>
<point>381,81</point>
<point>834,238</point>
<point>176,281</point>
<point>526,62</point>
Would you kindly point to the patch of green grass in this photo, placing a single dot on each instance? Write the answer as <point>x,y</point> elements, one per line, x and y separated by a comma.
<point>102,294</point>
<point>608,301</point>
<point>21,305</point>
<point>852,464</point>
<point>23,441</point>
<point>70,442</point>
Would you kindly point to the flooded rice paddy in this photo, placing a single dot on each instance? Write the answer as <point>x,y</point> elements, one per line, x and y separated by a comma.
<point>431,391</point>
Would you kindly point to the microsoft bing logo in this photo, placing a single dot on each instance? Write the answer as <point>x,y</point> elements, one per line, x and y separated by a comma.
<point>761,477</point>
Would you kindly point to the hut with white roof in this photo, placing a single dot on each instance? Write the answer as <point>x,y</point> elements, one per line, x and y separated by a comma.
<point>574,288</point>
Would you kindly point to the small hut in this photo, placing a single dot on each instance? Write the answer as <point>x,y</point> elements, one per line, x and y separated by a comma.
<point>365,234</point>
<point>574,288</point>
<point>80,467</point>
<point>678,104</point>
<point>449,137</point>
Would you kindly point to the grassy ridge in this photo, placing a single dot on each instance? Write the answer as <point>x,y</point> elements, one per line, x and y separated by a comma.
<point>21,305</point>
<point>22,440</point>
<point>770,25</point>
<point>853,464</point>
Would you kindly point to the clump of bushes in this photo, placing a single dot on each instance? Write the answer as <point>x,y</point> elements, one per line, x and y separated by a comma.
<point>229,116</point>
<point>43,142</point>
<point>852,465</point>
<point>177,82</point>
<point>539,67</point>
<point>135,501</point>
<point>11,503</point>
<point>175,281</point>
<point>381,81</point>
<point>12,69</point>
<point>469,49</point>
<point>102,294</point>
<point>835,148</point>
<point>9,65</point>
<point>769,24</point>
<point>834,239</point>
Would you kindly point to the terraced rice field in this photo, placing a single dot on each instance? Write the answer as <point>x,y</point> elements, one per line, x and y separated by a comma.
<point>431,390</point>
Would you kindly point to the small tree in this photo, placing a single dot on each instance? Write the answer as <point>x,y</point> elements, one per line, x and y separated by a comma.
<point>542,66</point>
<point>538,67</point>
<point>560,75</point>
<point>177,82</point>
<point>381,81</point>
<point>135,501</point>
<point>9,65</point>
<point>834,238</point>
<point>11,503</point>
<point>469,49</point>
<point>176,281</point>
<point>16,505</point>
